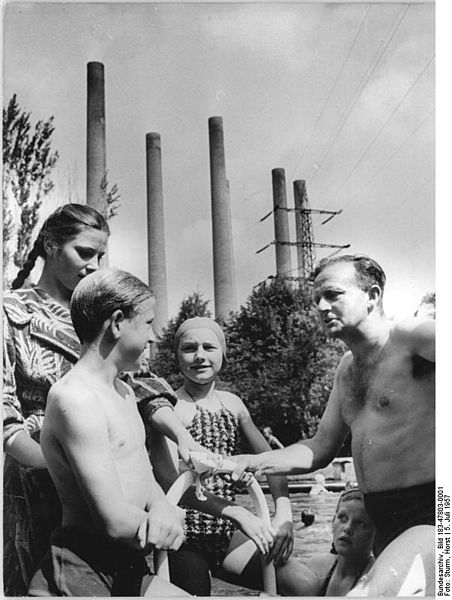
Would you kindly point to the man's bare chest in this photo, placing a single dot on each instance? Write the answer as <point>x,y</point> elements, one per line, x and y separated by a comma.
<point>384,386</point>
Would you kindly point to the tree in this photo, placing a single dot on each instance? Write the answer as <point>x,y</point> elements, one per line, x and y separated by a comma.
<point>279,361</point>
<point>165,364</point>
<point>111,196</point>
<point>27,165</point>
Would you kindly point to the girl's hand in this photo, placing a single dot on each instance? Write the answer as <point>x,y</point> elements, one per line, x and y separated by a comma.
<point>255,528</point>
<point>186,446</point>
<point>283,544</point>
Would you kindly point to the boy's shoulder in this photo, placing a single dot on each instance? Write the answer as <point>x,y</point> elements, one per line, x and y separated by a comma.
<point>71,393</point>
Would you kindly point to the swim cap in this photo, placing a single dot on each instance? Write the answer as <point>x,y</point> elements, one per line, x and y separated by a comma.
<point>200,323</point>
<point>353,493</point>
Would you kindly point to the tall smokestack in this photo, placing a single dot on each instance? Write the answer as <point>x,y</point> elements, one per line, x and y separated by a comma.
<point>96,157</point>
<point>223,259</point>
<point>303,229</point>
<point>156,229</point>
<point>281,220</point>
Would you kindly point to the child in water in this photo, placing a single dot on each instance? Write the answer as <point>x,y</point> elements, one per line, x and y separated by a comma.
<point>215,419</point>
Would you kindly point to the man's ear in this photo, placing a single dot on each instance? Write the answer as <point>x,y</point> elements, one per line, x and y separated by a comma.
<point>116,321</point>
<point>374,294</point>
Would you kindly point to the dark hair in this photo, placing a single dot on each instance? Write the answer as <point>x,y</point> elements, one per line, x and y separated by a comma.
<point>60,227</point>
<point>368,271</point>
<point>98,295</point>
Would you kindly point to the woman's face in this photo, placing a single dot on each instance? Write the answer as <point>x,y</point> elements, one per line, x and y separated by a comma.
<point>200,355</point>
<point>353,531</point>
<point>77,258</point>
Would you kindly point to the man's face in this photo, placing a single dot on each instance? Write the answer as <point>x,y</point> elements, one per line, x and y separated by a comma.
<point>342,305</point>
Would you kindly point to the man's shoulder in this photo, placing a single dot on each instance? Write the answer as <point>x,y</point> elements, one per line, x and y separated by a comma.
<point>411,330</point>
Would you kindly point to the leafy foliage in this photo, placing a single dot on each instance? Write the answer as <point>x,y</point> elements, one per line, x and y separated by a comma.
<point>27,165</point>
<point>279,361</point>
<point>111,196</point>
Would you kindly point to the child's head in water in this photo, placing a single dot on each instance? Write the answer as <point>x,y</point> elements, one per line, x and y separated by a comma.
<point>200,349</point>
<point>114,300</point>
<point>353,530</point>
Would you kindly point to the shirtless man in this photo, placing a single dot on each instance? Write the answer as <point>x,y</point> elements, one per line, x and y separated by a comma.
<point>383,394</point>
<point>93,438</point>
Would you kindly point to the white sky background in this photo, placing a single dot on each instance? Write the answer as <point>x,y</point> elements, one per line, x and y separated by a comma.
<point>341,95</point>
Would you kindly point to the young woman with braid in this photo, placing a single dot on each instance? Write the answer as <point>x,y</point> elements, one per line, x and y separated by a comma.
<point>40,346</point>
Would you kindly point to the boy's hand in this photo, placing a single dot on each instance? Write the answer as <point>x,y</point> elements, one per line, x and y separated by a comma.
<point>163,527</point>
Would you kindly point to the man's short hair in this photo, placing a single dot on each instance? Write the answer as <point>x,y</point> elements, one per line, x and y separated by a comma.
<point>99,295</point>
<point>368,271</point>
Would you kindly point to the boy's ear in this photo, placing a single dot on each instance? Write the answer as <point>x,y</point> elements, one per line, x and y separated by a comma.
<point>116,320</point>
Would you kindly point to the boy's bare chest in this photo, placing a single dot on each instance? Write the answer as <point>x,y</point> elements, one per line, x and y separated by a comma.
<point>125,427</point>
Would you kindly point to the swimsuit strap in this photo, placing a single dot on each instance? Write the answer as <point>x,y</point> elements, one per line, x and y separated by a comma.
<point>326,583</point>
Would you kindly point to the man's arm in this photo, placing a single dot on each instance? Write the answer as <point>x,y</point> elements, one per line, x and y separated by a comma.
<point>307,455</point>
<point>423,340</point>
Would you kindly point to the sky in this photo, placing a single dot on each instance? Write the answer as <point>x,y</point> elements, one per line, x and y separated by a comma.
<point>341,95</point>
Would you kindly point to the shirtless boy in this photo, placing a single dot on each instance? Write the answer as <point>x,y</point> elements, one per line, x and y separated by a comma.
<point>93,439</point>
<point>384,395</point>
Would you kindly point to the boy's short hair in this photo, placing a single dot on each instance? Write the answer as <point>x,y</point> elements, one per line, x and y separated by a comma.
<point>99,294</point>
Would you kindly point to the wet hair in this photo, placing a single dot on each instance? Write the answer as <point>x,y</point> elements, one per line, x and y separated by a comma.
<point>99,295</point>
<point>368,271</point>
<point>64,224</point>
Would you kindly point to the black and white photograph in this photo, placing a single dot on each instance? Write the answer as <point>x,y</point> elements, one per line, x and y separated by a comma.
<point>219,300</point>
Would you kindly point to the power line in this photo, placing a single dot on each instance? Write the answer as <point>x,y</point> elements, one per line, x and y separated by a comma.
<point>361,88</point>
<point>389,159</point>
<point>400,204</point>
<point>383,127</point>
<point>325,104</point>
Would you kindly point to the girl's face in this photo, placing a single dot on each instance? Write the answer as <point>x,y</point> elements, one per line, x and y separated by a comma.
<point>200,355</point>
<point>353,531</point>
<point>77,258</point>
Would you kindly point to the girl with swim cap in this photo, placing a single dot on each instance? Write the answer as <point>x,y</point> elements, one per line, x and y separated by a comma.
<point>215,419</point>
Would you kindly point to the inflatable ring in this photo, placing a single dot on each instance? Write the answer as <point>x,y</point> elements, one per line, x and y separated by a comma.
<point>177,490</point>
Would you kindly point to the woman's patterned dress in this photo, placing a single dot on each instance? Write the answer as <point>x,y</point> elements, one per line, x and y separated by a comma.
<point>39,347</point>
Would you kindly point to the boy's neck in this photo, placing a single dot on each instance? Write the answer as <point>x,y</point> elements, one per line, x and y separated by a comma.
<point>102,368</point>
